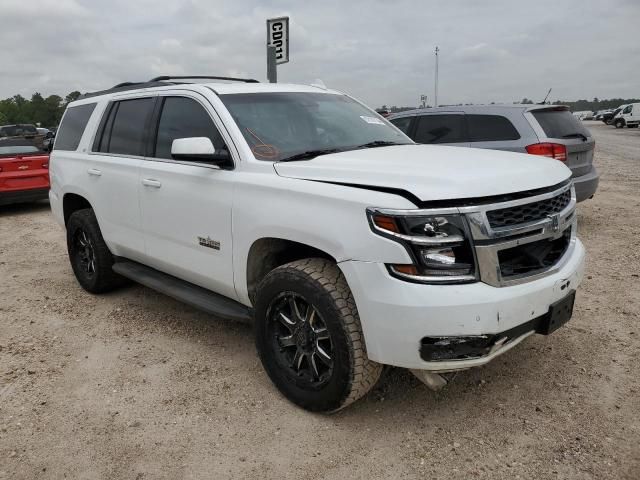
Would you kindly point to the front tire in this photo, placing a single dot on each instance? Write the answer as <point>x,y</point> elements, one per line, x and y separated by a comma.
<point>309,337</point>
<point>619,123</point>
<point>89,255</point>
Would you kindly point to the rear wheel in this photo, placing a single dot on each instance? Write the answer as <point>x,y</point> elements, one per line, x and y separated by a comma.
<point>309,336</point>
<point>89,255</point>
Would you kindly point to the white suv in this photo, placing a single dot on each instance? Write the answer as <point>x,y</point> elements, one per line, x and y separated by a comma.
<point>348,245</point>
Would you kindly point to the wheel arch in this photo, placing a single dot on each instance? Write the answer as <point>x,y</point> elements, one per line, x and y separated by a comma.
<point>268,253</point>
<point>72,202</point>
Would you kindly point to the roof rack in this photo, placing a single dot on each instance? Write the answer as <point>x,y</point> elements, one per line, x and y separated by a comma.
<point>162,81</point>
<point>202,77</point>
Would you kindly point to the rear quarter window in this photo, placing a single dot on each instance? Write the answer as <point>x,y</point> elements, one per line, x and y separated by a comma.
<point>491,128</point>
<point>72,127</point>
<point>559,123</point>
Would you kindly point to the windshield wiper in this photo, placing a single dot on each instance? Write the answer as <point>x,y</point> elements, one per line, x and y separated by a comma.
<point>576,135</point>
<point>309,154</point>
<point>380,143</point>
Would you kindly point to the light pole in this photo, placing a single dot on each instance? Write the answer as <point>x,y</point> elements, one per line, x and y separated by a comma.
<point>435,98</point>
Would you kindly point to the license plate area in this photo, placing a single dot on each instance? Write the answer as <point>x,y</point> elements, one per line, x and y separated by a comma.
<point>559,313</point>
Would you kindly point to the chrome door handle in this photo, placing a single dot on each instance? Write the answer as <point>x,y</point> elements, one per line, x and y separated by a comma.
<point>150,182</point>
<point>94,171</point>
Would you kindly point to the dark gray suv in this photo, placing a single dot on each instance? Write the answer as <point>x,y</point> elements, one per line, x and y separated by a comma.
<point>551,131</point>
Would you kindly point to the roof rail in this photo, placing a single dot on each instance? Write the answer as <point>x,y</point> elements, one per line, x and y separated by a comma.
<point>160,82</point>
<point>163,78</point>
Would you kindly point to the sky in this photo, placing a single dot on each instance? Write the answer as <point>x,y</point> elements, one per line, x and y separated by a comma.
<point>378,51</point>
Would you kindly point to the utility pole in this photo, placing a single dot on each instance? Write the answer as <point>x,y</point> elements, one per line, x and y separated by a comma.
<point>436,81</point>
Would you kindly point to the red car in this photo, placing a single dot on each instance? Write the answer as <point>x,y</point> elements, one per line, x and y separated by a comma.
<point>24,172</point>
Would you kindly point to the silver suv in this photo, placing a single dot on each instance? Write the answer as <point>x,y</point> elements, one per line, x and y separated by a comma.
<point>551,131</point>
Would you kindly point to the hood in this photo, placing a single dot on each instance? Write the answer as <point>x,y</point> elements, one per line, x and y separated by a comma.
<point>432,172</point>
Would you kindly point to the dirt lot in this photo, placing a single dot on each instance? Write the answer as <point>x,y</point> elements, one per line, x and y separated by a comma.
<point>136,385</point>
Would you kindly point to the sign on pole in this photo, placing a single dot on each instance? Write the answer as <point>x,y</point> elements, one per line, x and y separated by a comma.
<point>278,36</point>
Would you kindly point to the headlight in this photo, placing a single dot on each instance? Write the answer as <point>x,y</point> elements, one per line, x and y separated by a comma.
<point>439,246</point>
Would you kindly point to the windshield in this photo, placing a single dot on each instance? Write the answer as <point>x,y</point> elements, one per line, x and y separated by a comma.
<point>284,124</point>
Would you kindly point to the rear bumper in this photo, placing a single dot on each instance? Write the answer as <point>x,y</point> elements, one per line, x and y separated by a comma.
<point>22,196</point>
<point>586,185</point>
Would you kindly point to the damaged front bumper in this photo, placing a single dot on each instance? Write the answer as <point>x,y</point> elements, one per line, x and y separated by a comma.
<point>444,328</point>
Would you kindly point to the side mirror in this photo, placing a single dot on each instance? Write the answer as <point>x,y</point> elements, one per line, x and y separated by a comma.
<point>199,149</point>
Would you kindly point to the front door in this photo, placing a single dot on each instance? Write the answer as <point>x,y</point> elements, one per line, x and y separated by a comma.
<point>186,206</point>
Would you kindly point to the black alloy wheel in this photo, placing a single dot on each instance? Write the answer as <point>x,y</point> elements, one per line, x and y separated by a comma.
<point>300,339</point>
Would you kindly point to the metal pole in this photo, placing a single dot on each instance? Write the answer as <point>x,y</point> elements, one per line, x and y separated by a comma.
<point>272,68</point>
<point>436,85</point>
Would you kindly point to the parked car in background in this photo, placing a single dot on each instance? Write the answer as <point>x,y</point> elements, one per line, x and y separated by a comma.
<point>629,116</point>
<point>609,116</point>
<point>49,135</point>
<point>550,131</point>
<point>24,171</point>
<point>600,113</point>
<point>24,130</point>
<point>583,115</point>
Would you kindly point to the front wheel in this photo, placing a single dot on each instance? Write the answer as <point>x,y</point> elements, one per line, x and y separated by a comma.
<point>309,337</point>
<point>619,123</point>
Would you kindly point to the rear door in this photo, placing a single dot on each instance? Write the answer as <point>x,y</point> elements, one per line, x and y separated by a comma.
<point>558,125</point>
<point>112,173</point>
<point>443,128</point>
<point>186,206</point>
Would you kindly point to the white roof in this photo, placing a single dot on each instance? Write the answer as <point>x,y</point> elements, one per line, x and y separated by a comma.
<point>241,87</point>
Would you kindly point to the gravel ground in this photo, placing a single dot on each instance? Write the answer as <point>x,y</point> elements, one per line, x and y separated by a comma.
<point>136,385</point>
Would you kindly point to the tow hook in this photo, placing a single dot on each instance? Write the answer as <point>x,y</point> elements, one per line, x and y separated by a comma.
<point>435,381</point>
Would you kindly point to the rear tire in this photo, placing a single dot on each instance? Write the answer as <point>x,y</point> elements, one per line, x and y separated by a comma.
<point>89,255</point>
<point>309,337</point>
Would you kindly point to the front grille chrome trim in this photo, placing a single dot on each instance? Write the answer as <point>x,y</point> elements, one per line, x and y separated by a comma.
<point>488,241</point>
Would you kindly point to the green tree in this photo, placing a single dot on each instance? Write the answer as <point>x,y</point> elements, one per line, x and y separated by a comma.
<point>72,96</point>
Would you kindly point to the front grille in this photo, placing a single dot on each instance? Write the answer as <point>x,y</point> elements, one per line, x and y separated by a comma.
<point>530,212</point>
<point>532,257</point>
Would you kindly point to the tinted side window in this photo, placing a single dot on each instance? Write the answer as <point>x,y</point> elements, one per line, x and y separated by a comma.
<point>72,127</point>
<point>628,109</point>
<point>440,129</point>
<point>402,123</point>
<point>559,123</point>
<point>127,131</point>
<point>490,128</point>
<point>183,117</point>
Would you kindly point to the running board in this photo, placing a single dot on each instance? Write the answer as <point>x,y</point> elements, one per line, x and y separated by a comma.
<point>183,291</point>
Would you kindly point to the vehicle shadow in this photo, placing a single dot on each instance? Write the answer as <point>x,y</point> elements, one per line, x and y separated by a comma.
<point>14,209</point>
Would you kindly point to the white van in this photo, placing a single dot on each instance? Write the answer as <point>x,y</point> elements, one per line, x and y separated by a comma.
<point>629,116</point>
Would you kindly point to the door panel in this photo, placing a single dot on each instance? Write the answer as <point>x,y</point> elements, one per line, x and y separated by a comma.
<point>186,206</point>
<point>186,213</point>
<point>113,182</point>
<point>112,171</point>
